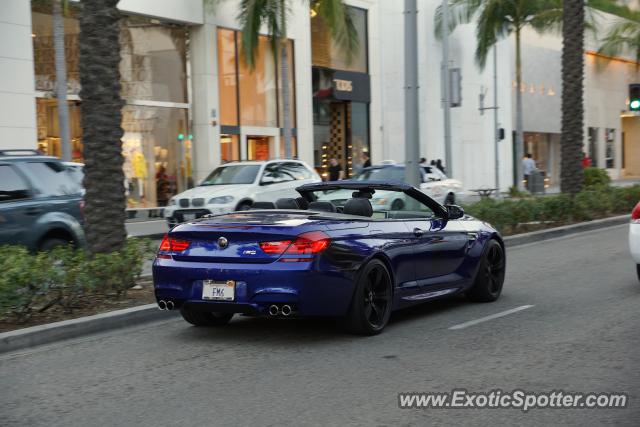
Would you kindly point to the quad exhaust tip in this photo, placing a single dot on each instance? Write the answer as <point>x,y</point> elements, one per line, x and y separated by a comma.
<point>162,305</point>
<point>286,310</point>
<point>274,310</point>
<point>170,305</point>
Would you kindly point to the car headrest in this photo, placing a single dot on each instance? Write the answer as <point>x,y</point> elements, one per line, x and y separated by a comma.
<point>263,205</point>
<point>287,203</point>
<point>302,203</point>
<point>322,206</point>
<point>360,207</point>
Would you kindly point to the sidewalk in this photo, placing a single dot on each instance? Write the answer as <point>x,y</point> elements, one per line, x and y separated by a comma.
<point>623,182</point>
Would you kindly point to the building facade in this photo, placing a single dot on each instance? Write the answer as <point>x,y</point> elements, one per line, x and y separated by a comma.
<point>191,101</point>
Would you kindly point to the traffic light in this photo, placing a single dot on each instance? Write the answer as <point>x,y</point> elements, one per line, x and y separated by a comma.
<point>634,97</point>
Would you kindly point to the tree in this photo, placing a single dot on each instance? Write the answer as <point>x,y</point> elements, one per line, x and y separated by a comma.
<point>274,15</point>
<point>571,173</point>
<point>101,125</point>
<point>496,20</point>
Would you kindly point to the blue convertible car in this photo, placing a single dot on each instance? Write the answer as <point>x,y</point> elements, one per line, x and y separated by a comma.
<point>306,257</point>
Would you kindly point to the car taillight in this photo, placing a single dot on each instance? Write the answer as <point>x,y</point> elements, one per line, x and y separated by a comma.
<point>305,244</point>
<point>635,214</point>
<point>169,244</point>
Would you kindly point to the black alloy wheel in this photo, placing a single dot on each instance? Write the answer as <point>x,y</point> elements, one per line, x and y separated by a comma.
<point>371,304</point>
<point>490,277</point>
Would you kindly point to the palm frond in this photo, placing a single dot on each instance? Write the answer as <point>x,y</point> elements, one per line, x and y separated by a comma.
<point>252,14</point>
<point>460,12</point>
<point>623,36</point>
<point>338,19</point>
<point>492,26</point>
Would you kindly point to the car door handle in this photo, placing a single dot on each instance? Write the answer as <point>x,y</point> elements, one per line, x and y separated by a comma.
<point>418,232</point>
<point>33,211</point>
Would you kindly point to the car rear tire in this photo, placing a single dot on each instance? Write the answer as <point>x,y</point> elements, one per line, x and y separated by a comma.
<point>205,318</point>
<point>397,205</point>
<point>52,243</point>
<point>371,303</point>
<point>244,206</point>
<point>489,279</point>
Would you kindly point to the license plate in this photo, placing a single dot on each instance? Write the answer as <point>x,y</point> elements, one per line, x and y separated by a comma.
<point>188,216</point>
<point>219,291</point>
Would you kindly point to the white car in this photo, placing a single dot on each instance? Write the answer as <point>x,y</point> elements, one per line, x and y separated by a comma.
<point>237,186</point>
<point>434,183</point>
<point>634,237</point>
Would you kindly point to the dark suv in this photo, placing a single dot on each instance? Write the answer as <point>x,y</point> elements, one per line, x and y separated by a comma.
<point>40,202</point>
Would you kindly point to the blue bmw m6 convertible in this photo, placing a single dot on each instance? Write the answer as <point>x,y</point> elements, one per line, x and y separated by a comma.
<point>314,256</point>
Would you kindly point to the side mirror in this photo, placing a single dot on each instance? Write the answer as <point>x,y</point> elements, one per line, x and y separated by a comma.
<point>454,212</point>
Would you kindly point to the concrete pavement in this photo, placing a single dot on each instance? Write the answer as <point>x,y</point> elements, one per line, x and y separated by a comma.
<point>581,335</point>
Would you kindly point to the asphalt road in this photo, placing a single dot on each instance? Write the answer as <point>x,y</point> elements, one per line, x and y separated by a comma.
<point>582,334</point>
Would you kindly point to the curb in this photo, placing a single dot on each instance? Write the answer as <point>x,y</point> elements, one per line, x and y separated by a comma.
<point>72,328</point>
<point>44,334</point>
<point>566,230</point>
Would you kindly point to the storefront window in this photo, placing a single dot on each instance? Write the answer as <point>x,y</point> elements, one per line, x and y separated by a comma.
<point>229,148</point>
<point>258,148</point>
<point>228,77</point>
<point>326,53</point>
<point>157,154</point>
<point>153,61</point>
<point>156,142</point>
<point>359,141</point>
<point>258,88</point>
<point>44,52</point>
<point>49,130</point>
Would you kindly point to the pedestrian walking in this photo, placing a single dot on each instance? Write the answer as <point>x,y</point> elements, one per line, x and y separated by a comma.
<point>366,160</point>
<point>528,166</point>
<point>335,170</point>
<point>586,160</point>
<point>440,166</point>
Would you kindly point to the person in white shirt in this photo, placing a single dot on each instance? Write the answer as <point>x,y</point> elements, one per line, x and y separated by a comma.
<point>528,166</point>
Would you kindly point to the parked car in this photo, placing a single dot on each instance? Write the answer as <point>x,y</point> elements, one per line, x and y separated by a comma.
<point>237,186</point>
<point>634,237</point>
<point>434,183</point>
<point>40,202</point>
<point>311,258</point>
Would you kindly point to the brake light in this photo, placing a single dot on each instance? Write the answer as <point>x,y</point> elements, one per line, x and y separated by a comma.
<point>275,248</point>
<point>169,244</point>
<point>635,214</point>
<point>305,244</point>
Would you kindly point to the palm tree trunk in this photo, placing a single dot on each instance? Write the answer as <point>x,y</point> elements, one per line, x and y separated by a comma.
<point>519,121</point>
<point>61,80</point>
<point>284,70</point>
<point>571,174</point>
<point>101,125</point>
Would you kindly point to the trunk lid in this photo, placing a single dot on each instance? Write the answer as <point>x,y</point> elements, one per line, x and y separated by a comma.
<point>236,237</point>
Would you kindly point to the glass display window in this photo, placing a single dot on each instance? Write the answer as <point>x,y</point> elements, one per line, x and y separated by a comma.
<point>229,148</point>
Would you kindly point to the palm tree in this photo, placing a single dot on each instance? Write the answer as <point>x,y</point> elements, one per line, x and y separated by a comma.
<point>498,19</point>
<point>101,125</point>
<point>274,14</point>
<point>573,25</point>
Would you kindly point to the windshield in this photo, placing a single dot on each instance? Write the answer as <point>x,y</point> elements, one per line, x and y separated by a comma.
<point>382,174</point>
<point>234,174</point>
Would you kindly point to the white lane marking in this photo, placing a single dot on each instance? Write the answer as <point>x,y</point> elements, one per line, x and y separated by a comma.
<point>491,317</point>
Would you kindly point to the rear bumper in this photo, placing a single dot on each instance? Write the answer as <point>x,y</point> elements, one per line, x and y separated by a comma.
<point>313,289</point>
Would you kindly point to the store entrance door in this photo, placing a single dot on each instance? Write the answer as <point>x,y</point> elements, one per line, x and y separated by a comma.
<point>259,147</point>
